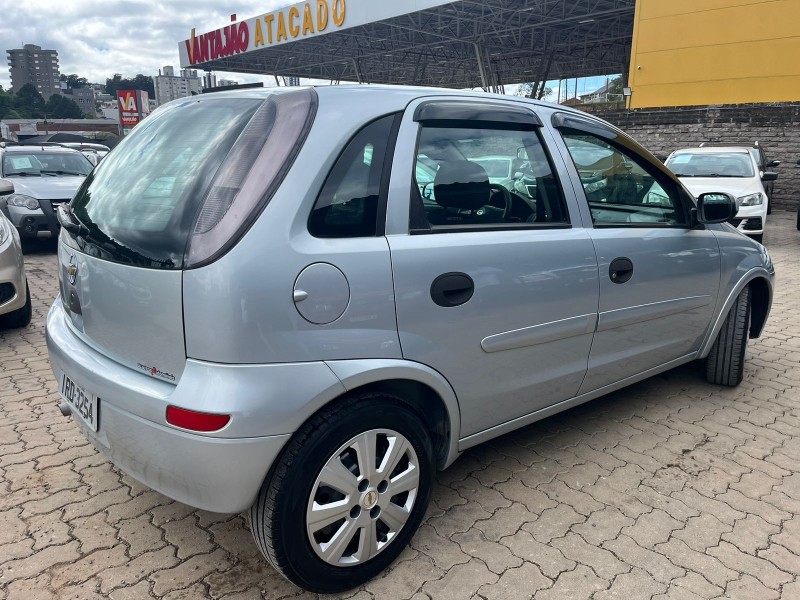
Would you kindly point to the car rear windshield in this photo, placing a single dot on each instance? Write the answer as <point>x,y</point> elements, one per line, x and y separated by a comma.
<point>141,203</point>
<point>722,164</point>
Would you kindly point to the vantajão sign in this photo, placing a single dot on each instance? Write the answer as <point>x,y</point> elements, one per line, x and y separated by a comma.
<point>280,26</point>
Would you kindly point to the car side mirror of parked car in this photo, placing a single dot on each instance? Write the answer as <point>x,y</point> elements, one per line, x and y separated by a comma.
<point>716,207</point>
<point>6,187</point>
<point>769,176</point>
<point>773,164</point>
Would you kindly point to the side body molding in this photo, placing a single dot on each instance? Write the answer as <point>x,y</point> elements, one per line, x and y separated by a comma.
<point>647,312</point>
<point>540,334</point>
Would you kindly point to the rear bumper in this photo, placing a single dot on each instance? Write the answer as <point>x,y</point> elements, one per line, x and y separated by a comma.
<point>217,472</point>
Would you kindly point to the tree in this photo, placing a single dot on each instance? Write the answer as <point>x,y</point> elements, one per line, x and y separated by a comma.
<point>28,102</point>
<point>61,107</point>
<point>140,82</point>
<point>75,82</point>
<point>526,89</point>
<point>615,88</point>
<point>6,104</point>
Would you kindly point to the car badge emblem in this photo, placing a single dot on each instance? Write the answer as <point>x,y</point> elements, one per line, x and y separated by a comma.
<point>370,499</point>
<point>72,269</point>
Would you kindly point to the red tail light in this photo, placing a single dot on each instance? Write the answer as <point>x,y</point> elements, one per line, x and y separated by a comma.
<point>196,421</point>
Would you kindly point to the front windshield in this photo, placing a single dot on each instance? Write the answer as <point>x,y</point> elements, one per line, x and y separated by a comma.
<point>24,164</point>
<point>495,167</point>
<point>707,164</point>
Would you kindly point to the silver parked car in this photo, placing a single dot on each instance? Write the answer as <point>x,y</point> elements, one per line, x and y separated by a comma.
<point>261,310</point>
<point>44,177</point>
<point>15,297</point>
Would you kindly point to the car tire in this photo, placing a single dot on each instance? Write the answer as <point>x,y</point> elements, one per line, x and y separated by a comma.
<point>21,317</point>
<point>725,362</point>
<point>798,218</point>
<point>282,518</point>
<point>769,206</point>
<point>758,237</point>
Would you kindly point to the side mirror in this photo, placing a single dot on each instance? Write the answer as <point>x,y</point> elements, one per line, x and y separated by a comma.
<point>427,190</point>
<point>716,207</point>
<point>773,164</point>
<point>769,176</point>
<point>6,187</point>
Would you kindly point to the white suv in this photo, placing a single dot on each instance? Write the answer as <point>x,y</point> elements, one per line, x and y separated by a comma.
<point>733,170</point>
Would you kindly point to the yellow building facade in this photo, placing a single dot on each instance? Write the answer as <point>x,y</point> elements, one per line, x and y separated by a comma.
<point>699,52</point>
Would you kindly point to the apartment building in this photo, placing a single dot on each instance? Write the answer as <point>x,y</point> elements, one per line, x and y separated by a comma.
<point>31,64</point>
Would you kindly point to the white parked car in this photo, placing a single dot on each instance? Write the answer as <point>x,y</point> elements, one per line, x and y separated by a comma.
<point>729,169</point>
<point>93,152</point>
<point>15,298</point>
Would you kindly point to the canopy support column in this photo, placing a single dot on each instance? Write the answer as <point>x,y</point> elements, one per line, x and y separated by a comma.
<point>481,68</point>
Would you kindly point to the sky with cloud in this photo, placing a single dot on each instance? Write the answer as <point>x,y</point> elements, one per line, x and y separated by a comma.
<point>97,38</point>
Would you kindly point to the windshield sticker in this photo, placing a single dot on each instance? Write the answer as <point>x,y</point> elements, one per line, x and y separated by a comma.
<point>22,162</point>
<point>681,159</point>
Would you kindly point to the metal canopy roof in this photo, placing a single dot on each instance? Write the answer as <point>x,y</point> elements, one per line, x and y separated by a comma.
<point>462,44</point>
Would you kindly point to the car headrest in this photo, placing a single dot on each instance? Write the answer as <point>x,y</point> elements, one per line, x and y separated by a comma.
<point>461,184</point>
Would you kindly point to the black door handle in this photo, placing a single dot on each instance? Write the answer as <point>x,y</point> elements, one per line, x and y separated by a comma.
<point>620,270</point>
<point>452,289</point>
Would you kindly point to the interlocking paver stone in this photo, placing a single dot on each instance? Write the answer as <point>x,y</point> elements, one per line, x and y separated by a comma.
<point>635,585</point>
<point>671,489</point>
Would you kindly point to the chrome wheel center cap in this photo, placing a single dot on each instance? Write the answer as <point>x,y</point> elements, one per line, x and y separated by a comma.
<point>370,499</point>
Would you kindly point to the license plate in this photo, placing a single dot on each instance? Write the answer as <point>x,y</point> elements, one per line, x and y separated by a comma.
<point>83,403</point>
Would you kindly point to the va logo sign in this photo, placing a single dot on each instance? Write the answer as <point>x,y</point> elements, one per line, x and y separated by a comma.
<point>127,101</point>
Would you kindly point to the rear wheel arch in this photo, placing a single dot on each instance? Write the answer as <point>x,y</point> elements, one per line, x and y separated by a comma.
<point>440,417</point>
<point>424,402</point>
<point>760,301</point>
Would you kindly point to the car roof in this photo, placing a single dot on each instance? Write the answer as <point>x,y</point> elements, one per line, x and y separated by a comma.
<point>38,148</point>
<point>391,94</point>
<point>714,150</point>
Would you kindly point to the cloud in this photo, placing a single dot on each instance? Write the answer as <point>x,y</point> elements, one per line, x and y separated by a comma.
<point>96,39</point>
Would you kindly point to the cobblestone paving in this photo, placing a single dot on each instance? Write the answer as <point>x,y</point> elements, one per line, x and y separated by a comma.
<point>672,488</point>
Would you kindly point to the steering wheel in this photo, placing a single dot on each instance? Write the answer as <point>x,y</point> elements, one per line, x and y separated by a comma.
<point>508,201</point>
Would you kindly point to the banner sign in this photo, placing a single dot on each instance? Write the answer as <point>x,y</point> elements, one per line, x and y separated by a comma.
<point>295,22</point>
<point>133,106</point>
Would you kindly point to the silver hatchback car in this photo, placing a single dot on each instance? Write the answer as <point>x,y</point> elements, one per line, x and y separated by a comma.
<point>261,310</point>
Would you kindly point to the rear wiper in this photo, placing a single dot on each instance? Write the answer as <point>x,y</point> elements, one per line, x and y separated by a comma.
<point>48,171</point>
<point>70,222</point>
